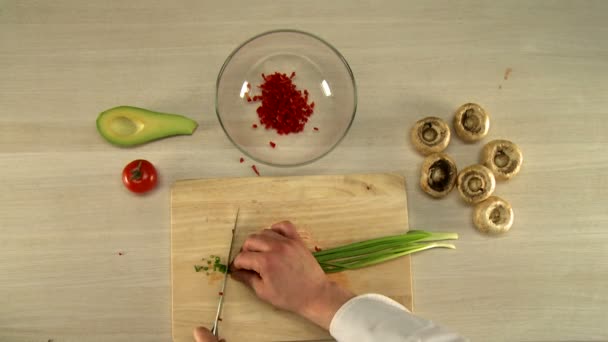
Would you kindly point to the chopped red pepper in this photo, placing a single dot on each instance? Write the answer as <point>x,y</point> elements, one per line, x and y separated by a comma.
<point>284,108</point>
<point>317,249</point>
<point>120,253</point>
<point>273,145</point>
<point>242,160</point>
<point>316,128</point>
<point>221,293</point>
<point>254,126</point>
<point>219,319</point>
<point>255,169</point>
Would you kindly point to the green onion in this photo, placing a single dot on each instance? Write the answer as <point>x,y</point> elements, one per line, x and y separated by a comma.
<point>222,268</point>
<point>375,251</point>
<point>366,253</point>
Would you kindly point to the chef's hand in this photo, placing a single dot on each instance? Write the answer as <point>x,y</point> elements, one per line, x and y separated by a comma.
<point>204,335</point>
<point>276,264</point>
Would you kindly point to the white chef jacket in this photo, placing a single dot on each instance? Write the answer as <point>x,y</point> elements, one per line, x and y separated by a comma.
<point>377,318</point>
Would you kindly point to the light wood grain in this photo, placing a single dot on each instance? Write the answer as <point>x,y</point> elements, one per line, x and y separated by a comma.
<point>64,214</point>
<point>328,210</point>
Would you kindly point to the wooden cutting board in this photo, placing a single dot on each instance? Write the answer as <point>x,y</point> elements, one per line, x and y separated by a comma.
<point>328,211</point>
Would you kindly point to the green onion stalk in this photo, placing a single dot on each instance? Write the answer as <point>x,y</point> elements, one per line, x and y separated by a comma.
<point>371,252</point>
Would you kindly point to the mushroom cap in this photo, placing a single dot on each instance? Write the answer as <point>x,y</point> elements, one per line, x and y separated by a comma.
<point>430,135</point>
<point>476,183</point>
<point>493,216</point>
<point>438,175</point>
<point>503,157</point>
<point>471,122</point>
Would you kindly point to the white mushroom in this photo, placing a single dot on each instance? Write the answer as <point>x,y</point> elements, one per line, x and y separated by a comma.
<point>503,157</point>
<point>430,135</point>
<point>493,216</point>
<point>438,175</point>
<point>476,183</point>
<point>471,122</point>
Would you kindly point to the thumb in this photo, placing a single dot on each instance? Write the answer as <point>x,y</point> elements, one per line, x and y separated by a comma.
<point>249,278</point>
<point>204,335</point>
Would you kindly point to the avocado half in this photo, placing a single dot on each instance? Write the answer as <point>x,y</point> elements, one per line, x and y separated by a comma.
<point>130,126</point>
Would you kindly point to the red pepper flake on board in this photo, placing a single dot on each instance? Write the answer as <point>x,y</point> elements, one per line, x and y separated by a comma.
<point>221,293</point>
<point>284,108</point>
<point>272,144</point>
<point>254,126</point>
<point>242,160</point>
<point>120,253</point>
<point>255,169</point>
<point>316,128</point>
<point>317,249</point>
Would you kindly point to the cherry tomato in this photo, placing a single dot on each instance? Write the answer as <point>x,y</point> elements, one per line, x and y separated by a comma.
<point>139,176</point>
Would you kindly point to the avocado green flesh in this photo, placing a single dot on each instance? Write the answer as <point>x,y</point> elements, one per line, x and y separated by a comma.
<point>130,126</point>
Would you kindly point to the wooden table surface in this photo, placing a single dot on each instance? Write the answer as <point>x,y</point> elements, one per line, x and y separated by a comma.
<point>65,216</point>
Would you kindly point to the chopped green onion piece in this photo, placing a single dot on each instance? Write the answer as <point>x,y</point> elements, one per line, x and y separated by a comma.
<point>222,268</point>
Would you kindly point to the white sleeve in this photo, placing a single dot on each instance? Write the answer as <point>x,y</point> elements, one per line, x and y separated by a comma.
<point>373,317</point>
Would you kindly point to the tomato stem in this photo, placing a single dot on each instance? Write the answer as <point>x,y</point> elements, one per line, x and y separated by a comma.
<point>136,172</point>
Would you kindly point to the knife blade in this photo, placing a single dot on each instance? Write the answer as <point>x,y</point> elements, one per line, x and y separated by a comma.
<point>214,329</point>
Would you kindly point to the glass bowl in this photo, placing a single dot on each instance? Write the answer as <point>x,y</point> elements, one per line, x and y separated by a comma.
<point>319,68</point>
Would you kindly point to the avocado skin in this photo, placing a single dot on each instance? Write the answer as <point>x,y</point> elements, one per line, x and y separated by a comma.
<point>153,125</point>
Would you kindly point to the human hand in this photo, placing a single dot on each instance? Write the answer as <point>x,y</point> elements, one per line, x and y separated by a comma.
<point>204,335</point>
<point>282,271</point>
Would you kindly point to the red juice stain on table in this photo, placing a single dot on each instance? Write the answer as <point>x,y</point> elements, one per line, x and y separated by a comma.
<point>284,108</point>
<point>215,278</point>
<point>508,72</point>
